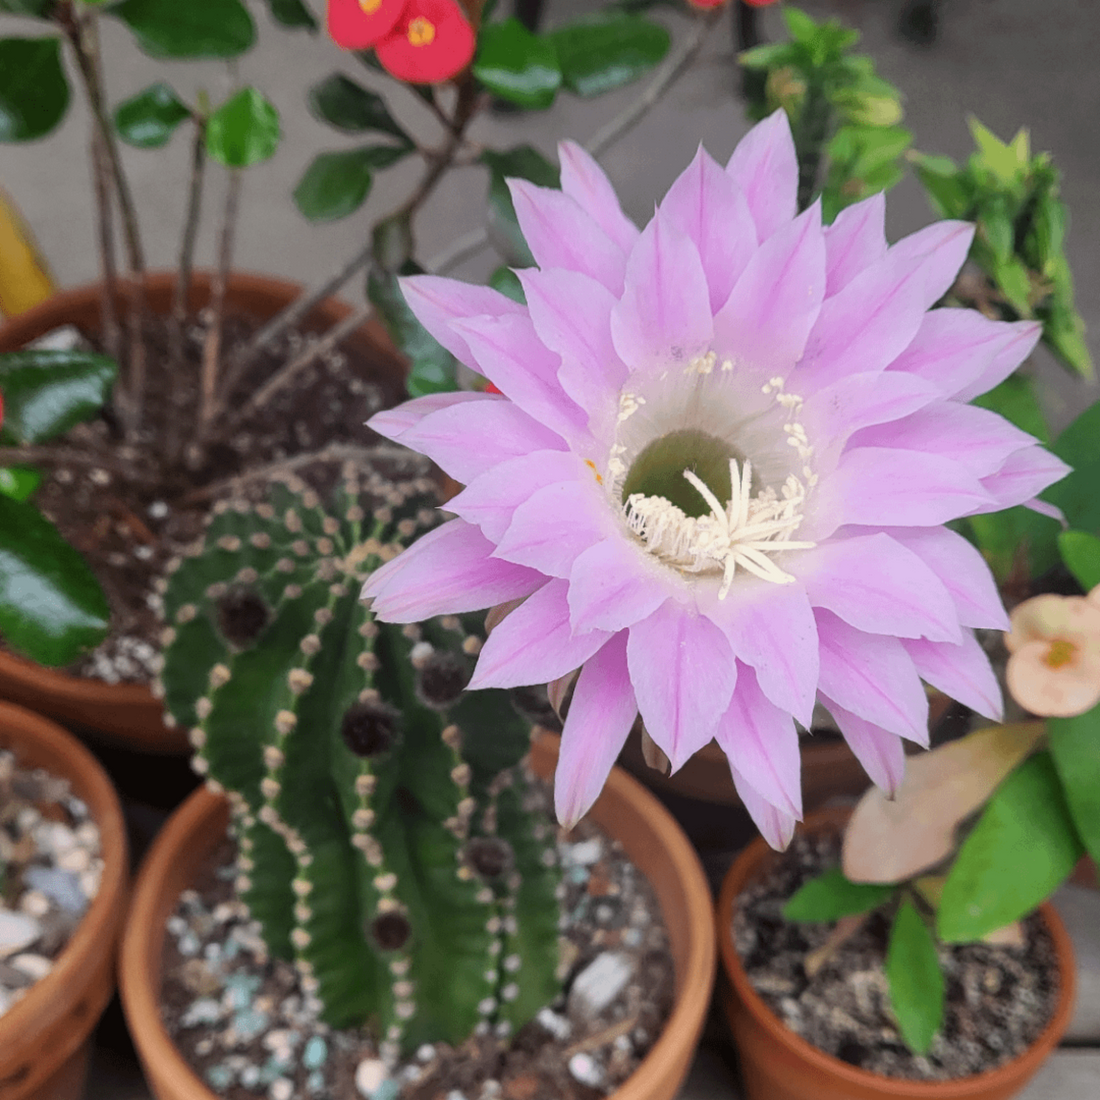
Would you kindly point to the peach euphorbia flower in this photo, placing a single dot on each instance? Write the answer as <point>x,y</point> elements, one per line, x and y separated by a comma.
<point>1054,642</point>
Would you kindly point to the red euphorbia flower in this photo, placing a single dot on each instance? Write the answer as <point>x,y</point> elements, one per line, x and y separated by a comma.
<point>419,41</point>
<point>359,24</point>
<point>431,42</point>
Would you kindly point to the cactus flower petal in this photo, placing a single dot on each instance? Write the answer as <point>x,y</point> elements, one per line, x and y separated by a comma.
<point>726,446</point>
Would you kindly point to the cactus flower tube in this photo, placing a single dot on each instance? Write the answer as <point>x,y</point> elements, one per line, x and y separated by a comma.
<point>718,471</point>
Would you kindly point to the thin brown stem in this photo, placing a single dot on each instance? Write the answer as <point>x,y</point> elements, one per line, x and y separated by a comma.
<point>466,108</point>
<point>675,65</point>
<point>291,370</point>
<point>333,452</point>
<point>59,455</point>
<point>211,352</point>
<point>108,286</point>
<point>187,249</point>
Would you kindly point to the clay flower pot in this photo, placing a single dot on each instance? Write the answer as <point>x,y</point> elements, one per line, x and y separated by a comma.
<point>44,1037</point>
<point>625,810</point>
<point>127,714</point>
<point>777,1064</point>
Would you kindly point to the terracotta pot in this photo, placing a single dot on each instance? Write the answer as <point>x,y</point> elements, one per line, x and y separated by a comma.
<point>777,1064</point>
<point>44,1038</point>
<point>127,714</point>
<point>649,835</point>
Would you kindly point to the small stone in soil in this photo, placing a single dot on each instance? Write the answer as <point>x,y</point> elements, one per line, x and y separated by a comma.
<point>586,1070</point>
<point>34,966</point>
<point>315,1053</point>
<point>17,930</point>
<point>60,886</point>
<point>599,983</point>
<point>369,1074</point>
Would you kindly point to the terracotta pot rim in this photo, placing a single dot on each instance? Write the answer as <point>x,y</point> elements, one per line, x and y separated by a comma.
<point>43,1009</point>
<point>77,695</point>
<point>144,936</point>
<point>745,868</point>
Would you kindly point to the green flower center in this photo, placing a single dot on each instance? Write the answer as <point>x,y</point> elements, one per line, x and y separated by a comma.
<point>658,471</point>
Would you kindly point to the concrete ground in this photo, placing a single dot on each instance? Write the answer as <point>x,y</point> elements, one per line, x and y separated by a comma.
<point>1011,63</point>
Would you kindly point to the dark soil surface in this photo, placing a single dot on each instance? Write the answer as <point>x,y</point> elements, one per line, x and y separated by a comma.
<point>131,506</point>
<point>243,1022</point>
<point>999,998</point>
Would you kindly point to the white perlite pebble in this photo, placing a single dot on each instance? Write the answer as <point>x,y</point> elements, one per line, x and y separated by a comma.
<point>369,1074</point>
<point>558,1026</point>
<point>586,1070</point>
<point>585,853</point>
<point>599,983</point>
<point>17,930</point>
<point>281,1089</point>
<point>36,967</point>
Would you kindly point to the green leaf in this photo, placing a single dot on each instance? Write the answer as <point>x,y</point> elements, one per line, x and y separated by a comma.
<point>526,163</point>
<point>1022,848</point>
<point>915,978</point>
<point>292,13</point>
<point>195,29</point>
<point>1017,401</point>
<point>517,65</point>
<point>48,392</point>
<point>243,131</point>
<point>1075,748</point>
<point>831,896</point>
<point>1081,554</point>
<point>947,193</point>
<point>607,51</point>
<point>51,607</point>
<point>349,107</point>
<point>337,184</point>
<point>150,118</point>
<point>1005,161</point>
<point>19,482</point>
<point>38,8</point>
<point>432,368</point>
<point>507,282</point>
<point>34,93</point>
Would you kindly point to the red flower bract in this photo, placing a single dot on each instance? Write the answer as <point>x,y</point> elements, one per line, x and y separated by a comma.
<point>357,24</point>
<point>431,42</point>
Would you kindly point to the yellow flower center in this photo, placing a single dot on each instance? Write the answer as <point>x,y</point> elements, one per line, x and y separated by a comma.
<point>421,32</point>
<point>370,6</point>
<point>1061,653</point>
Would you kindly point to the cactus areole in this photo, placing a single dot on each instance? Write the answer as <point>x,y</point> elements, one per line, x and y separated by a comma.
<point>388,842</point>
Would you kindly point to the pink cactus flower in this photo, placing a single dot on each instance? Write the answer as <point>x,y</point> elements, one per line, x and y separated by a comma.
<point>717,473</point>
<point>1054,667</point>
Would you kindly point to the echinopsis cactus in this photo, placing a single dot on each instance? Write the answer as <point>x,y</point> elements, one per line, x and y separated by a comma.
<point>389,845</point>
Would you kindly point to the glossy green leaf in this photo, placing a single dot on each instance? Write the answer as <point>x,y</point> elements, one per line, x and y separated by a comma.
<point>1022,848</point>
<point>337,184</point>
<point>292,13</point>
<point>1081,554</point>
<point>34,93</point>
<point>243,131</point>
<point>915,979</point>
<point>51,607</point>
<point>150,118</point>
<point>198,28</point>
<point>19,482</point>
<point>349,107</point>
<point>607,51</point>
<point>48,392</point>
<point>38,8</point>
<point>831,896</point>
<point>1075,748</point>
<point>947,193</point>
<point>517,65</point>
<point>522,162</point>
<point>1017,401</point>
<point>432,368</point>
<point>507,282</point>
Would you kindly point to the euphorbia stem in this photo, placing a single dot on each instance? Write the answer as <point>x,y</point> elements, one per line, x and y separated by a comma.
<point>187,249</point>
<point>108,286</point>
<point>82,34</point>
<point>211,352</point>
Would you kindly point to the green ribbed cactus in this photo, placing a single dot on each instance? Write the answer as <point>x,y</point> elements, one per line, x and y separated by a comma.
<point>389,845</point>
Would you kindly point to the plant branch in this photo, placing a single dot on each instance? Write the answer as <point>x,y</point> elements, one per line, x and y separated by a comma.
<point>292,369</point>
<point>211,352</point>
<point>469,103</point>
<point>675,65</point>
<point>333,452</point>
<point>187,248</point>
<point>108,288</point>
